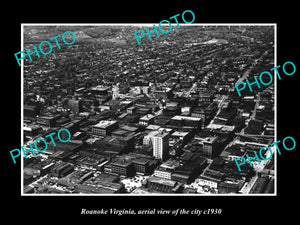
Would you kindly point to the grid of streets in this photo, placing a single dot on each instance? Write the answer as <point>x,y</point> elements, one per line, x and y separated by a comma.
<point>159,118</point>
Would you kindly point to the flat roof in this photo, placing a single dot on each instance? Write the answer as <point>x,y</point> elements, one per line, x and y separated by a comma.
<point>99,88</point>
<point>147,117</point>
<point>180,133</point>
<point>120,132</point>
<point>170,164</point>
<point>161,134</point>
<point>122,162</point>
<point>141,161</point>
<point>185,118</point>
<point>152,133</point>
<point>126,102</point>
<point>105,123</point>
<point>129,128</point>
<point>219,126</point>
<point>153,127</point>
<point>210,139</point>
<point>159,180</point>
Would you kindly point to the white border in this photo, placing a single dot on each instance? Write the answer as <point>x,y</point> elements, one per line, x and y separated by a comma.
<point>149,24</point>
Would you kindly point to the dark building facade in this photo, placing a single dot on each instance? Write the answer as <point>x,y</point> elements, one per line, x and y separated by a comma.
<point>123,168</point>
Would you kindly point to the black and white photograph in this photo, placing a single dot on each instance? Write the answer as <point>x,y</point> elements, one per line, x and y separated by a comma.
<point>156,118</point>
<point>149,113</point>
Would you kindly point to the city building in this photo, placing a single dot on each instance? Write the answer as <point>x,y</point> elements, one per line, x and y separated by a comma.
<point>163,172</point>
<point>207,146</point>
<point>99,90</point>
<point>105,127</point>
<point>141,166</point>
<point>161,145</point>
<point>148,139</point>
<point>30,111</point>
<point>225,187</point>
<point>115,92</point>
<point>210,147</point>
<point>37,168</point>
<point>61,170</point>
<point>184,136</point>
<point>208,181</point>
<point>163,93</point>
<point>120,133</point>
<point>75,105</point>
<point>123,167</point>
<point>147,119</point>
<point>80,176</point>
<point>31,131</point>
<point>131,110</point>
<point>205,113</point>
<point>162,185</point>
<point>46,120</point>
<point>191,165</point>
<point>166,169</point>
<point>186,121</point>
<point>108,188</point>
<point>206,97</point>
<point>113,145</point>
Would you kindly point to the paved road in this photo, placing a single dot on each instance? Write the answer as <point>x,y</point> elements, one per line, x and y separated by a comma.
<point>248,186</point>
<point>220,108</point>
<point>191,89</point>
<point>245,75</point>
<point>255,107</point>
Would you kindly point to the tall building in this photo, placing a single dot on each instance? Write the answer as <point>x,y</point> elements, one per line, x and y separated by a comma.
<point>210,147</point>
<point>123,167</point>
<point>161,145</point>
<point>115,92</point>
<point>148,139</point>
<point>75,105</point>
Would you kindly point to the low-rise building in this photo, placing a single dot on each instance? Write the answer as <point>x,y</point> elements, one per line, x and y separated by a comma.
<point>105,127</point>
<point>162,185</point>
<point>147,119</point>
<point>123,167</point>
<point>61,170</point>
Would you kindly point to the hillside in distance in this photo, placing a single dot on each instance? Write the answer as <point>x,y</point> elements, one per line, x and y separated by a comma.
<point>121,34</point>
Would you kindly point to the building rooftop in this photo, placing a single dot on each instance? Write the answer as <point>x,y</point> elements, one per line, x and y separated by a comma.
<point>105,123</point>
<point>122,162</point>
<point>210,140</point>
<point>180,133</point>
<point>142,161</point>
<point>220,127</point>
<point>159,180</point>
<point>129,128</point>
<point>185,118</point>
<point>170,164</point>
<point>162,134</point>
<point>99,88</point>
<point>120,132</point>
<point>153,127</point>
<point>147,117</point>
